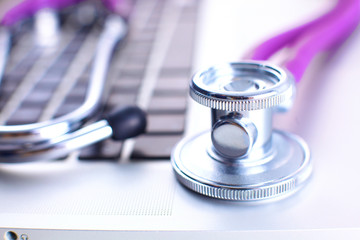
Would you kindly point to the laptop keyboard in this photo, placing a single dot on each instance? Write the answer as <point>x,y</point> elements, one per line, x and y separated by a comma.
<point>150,68</point>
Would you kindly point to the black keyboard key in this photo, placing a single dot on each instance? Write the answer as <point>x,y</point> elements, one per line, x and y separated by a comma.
<point>165,123</point>
<point>108,149</point>
<point>169,83</point>
<point>154,146</point>
<point>167,104</point>
<point>25,116</point>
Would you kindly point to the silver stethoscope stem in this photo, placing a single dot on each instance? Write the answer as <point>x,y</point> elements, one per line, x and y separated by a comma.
<point>122,124</point>
<point>57,147</point>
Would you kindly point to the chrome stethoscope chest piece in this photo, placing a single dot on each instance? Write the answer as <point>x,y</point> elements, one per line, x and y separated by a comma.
<point>242,158</point>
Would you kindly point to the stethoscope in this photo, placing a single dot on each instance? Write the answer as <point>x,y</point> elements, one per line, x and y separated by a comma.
<point>242,158</point>
<point>57,137</point>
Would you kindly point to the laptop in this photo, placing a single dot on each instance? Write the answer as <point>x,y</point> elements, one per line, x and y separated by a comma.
<point>128,190</point>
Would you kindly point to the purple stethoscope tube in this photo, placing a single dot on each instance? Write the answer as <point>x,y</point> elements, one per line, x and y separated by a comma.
<point>306,41</point>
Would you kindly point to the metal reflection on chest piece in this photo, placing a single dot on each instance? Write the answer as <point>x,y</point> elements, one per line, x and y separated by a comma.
<point>242,158</point>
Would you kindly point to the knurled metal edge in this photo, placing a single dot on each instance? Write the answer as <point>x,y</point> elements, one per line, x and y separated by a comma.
<point>264,191</point>
<point>261,193</point>
<point>239,104</point>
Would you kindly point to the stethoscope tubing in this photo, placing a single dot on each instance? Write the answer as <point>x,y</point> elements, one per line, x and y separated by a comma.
<point>114,31</point>
<point>52,138</point>
<point>304,42</point>
<point>57,137</point>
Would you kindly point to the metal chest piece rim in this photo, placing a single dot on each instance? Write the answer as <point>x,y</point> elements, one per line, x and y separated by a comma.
<point>279,175</point>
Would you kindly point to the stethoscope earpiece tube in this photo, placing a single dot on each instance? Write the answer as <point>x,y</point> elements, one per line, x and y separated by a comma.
<point>127,122</point>
<point>124,123</point>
